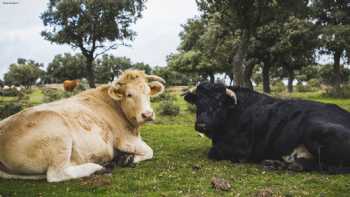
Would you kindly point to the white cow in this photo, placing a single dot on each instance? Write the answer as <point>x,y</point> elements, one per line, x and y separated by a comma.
<point>71,138</point>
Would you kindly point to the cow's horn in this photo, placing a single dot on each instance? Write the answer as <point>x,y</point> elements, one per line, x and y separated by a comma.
<point>232,94</point>
<point>155,78</point>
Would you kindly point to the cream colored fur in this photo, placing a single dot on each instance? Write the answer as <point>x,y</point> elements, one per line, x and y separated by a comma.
<point>69,138</point>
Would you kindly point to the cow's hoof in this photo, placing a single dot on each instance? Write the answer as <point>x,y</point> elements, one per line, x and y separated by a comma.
<point>124,159</point>
<point>273,165</point>
<point>296,167</point>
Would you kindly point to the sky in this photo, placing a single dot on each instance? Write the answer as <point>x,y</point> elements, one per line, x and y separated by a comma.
<point>157,32</point>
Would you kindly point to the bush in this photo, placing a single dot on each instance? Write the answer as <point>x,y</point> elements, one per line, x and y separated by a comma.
<point>168,108</point>
<point>278,86</point>
<point>315,84</point>
<point>191,108</point>
<point>343,92</point>
<point>166,96</point>
<point>52,95</point>
<point>8,109</point>
<point>300,87</point>
<point>9,92</point>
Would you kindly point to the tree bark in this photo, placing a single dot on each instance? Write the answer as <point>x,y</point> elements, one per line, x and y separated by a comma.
<point>237,63</point>
<point>290,80</point>
<point>211,77</point>
<point>337,71</point>
<point>248,72</point>
<point>90,72</point>
<point>266,78</point>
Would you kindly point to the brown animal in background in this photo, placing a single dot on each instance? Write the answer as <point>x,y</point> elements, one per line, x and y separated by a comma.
<point>69,85</point>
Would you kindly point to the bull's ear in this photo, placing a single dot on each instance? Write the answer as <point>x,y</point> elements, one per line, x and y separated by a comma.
<point>115,93</point>
<point>190,97</point>
<point>156,87</point>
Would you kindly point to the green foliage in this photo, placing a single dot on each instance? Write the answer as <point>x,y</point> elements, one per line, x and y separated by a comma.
<point>328,77</point>
<point>9,92</point>
<point>300,87</point>
<point>65,67</point>
<point>25,72</point>
<point>278,86</point>
<point>169,108</point>
<point>51,95</point>
<point>166,96</point>
<point>342,92</point>
<point>92,26</point>
<point>191,108</point>
<point>8,109</point>
<point>173,77</point>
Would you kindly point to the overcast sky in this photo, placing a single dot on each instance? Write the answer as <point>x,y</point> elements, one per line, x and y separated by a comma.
<point>158,30</point>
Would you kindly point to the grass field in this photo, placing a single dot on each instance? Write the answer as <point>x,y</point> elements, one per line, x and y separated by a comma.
<point>181,168</point>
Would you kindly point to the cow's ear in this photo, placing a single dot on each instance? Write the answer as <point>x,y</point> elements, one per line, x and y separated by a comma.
<point>190,97</point>
<point>156,87</point>
<point>115,93</point>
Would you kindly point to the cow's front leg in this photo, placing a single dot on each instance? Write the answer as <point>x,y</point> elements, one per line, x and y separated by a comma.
<point>138,148</point>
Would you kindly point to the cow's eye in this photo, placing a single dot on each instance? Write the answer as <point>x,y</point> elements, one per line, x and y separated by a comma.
<point>129,95</point>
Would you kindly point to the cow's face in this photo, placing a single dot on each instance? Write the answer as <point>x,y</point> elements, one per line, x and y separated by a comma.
<point>212,102</point>
<point>134,98</point>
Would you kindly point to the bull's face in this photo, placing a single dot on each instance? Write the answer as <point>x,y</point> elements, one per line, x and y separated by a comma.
<point>134,99</point>
<point>212,102</point>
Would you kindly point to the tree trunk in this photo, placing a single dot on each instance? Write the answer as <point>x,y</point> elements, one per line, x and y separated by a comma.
<point>290,80</point>
<point>337,71</point>
<point>237,63</point>
<point>90,72</point>
<point>266,78</point>
<point>211,77</point>
<point>248,72</point>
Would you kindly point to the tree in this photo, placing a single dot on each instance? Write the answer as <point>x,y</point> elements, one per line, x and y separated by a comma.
<point>24,72</point>
<point>333,17</point>
<point>243,18</point>
<point>65,67</point>
<point>92,26</point>
<point>110,66</point>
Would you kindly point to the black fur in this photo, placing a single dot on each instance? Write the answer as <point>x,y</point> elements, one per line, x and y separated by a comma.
<point>261,127</point>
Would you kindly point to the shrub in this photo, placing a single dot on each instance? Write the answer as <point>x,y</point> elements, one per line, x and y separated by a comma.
<point>343,92</point>
<point>52,94</point>
<point>166,96</point>
<point>9,92</point>
<point>191,108</point>
<point>278,86</point>
<point>300,87</point>
<point>315,84</point>
<point>168,108</point>
<point>8,109</point>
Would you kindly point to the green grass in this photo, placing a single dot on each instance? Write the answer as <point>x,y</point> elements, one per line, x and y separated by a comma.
<point>178,149</point>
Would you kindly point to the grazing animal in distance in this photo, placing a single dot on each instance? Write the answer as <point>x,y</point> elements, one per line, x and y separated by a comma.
<point>73,137</point>
<point>247,126</point>
<point>70,85</point>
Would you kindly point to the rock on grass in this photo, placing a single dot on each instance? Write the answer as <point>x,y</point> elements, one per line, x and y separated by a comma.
<point>220,184</point>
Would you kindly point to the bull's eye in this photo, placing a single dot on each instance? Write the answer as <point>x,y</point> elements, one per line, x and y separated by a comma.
<point>129,95</point>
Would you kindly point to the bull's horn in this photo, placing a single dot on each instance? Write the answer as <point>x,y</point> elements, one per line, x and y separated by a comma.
<point>192,90</point>
<point>232,94</point>
<point>155,78</point>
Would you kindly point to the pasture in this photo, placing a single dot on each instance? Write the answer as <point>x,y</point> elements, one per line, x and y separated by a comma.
<point>181,168</point>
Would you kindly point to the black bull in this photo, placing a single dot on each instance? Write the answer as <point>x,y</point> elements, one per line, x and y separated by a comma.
<point>283,134</point>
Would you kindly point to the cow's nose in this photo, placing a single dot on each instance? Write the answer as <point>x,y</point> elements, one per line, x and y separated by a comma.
<point>201,126</point>
<point>147,115</point>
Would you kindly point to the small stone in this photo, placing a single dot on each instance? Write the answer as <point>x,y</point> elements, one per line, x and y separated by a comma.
<point>264,193</point>
<point>220,184</point>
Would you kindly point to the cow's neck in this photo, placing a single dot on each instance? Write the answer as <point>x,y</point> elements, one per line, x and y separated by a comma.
<point>115,105</point>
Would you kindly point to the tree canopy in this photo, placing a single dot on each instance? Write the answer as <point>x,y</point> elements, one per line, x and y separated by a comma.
<point>92,26</point>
